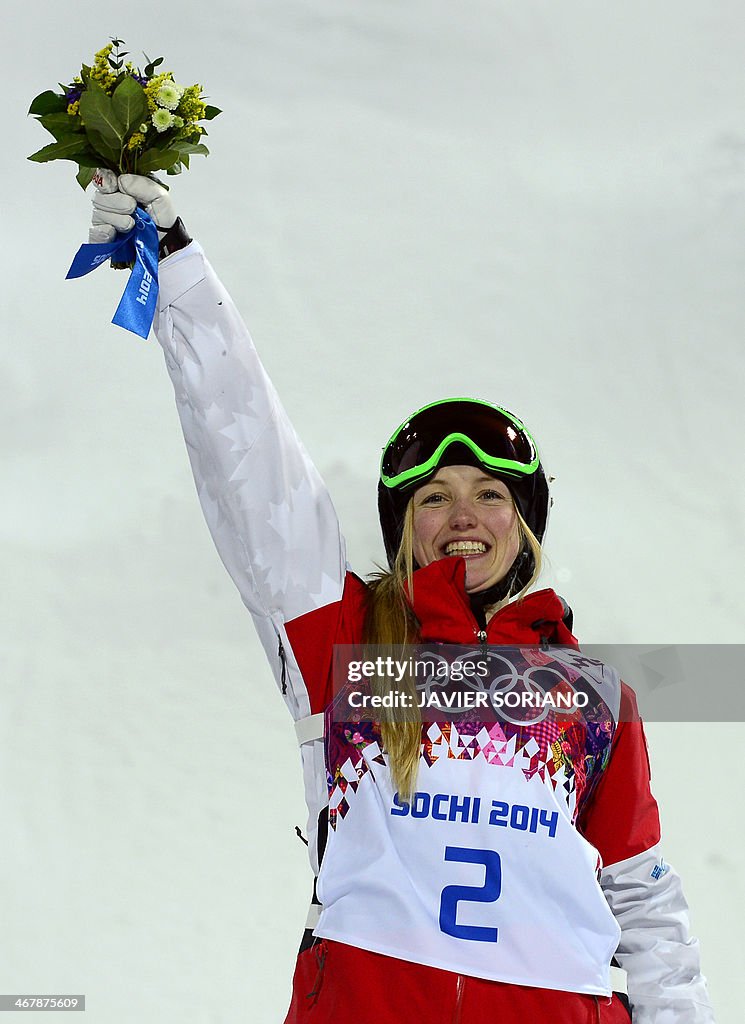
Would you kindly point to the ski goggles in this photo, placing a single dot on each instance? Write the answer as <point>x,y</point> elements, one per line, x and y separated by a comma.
<point>497,439</point>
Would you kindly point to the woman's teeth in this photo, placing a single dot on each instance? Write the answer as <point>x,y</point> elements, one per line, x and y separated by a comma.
<point>465,547</point>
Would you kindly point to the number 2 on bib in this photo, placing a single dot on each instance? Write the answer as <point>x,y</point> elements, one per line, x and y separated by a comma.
<point>452,895</point>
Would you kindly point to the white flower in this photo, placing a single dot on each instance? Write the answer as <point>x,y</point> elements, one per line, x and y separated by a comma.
<point>162,120</point>
<point>143,128</point>
<point>168,96</point>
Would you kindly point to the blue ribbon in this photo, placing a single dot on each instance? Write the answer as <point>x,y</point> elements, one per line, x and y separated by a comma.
<point>136,309</point>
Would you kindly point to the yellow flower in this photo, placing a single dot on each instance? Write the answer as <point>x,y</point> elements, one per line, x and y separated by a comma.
<point>101,71</point>
<point>154,86</point>
<point>191,107</point>
<point>73,108</point>
<point>103,78</point>
<point>136,140</point>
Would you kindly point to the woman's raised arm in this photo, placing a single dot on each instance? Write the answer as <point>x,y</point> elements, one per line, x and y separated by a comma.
<point>268,510</point>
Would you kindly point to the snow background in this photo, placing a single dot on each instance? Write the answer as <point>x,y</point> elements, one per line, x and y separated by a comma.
<point>537,204</point>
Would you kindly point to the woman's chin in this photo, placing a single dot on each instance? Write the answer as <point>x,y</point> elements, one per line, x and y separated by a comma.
<point>477,581</point>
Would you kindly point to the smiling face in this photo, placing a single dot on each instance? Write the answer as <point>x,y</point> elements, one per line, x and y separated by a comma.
<point>463,511</point>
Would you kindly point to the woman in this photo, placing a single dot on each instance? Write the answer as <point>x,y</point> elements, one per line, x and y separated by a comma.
<point>466,868</point>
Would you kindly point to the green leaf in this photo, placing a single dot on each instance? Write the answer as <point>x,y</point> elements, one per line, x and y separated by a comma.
<point>157,160</point>
<point>210,112</point>
<point>67,149</point>
<point>152,65</point>
<point>98,144</point>
<point>85,176</point>
<point>97,111</point>
<point>91,159</point>
<point>48,103</point>
<point>189,147</point>
<point>60,125</point>
<point>130,105</point>
<point>69,138</point>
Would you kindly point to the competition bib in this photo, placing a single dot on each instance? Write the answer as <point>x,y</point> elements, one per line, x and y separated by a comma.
<point>481,873</point>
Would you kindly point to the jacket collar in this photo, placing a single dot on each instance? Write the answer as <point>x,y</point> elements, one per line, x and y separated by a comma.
<point>443,611</point>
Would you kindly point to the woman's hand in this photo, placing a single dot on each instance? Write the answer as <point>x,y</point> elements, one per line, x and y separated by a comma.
<point>114,200</point>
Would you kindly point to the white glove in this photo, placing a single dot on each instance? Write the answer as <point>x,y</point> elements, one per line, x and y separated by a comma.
<point>115,199</point>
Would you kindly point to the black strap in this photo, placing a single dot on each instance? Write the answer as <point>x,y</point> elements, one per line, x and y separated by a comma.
<point>175,238</point>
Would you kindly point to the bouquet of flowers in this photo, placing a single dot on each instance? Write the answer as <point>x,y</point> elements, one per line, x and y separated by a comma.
<point>114,115</point>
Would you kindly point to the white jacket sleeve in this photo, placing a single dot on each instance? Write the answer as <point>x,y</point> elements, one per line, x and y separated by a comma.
<point>268,511</point>
<point>661,960</point>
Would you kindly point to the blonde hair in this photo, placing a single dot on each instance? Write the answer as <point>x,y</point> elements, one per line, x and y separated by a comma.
<point>390,621</point>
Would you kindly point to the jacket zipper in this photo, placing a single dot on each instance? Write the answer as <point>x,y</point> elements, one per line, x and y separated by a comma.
<point>469,611</point>
<point>283,660</point>
<point>320,950</point>
<point>459,986</point>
